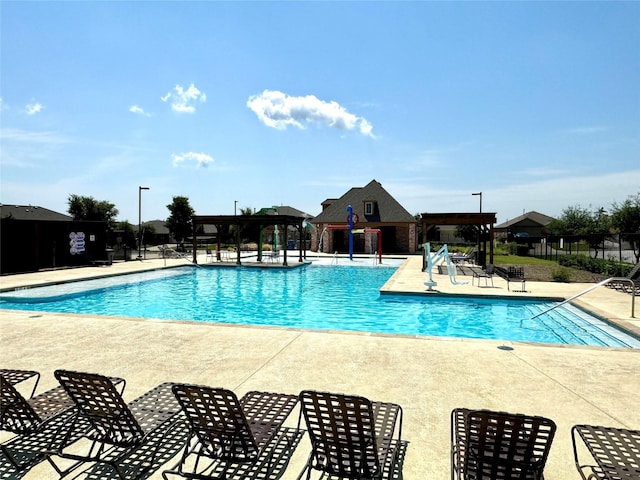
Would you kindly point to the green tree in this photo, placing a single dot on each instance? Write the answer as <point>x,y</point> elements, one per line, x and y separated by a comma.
<point>469,233</point>
<point>581,222</point>
<point>88,208</point>
<point>601,228</point>
<point>129,234</point>
<point>246,232</point>
<point>148,234</point>
<point>179,222</point>
<point>625,219</point>
<point>575,221</point>
<point>249,232</point>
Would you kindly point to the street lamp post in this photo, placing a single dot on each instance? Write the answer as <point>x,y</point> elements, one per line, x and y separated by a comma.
<point>140,221</point>
<point>480,194</point>
<point>235,204</point>
<point>479,226</point>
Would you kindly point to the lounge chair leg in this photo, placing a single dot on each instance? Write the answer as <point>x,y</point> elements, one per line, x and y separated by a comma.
<point>307,468</point>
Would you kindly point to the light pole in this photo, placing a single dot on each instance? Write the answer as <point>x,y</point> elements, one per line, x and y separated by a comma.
<point>235,204</point>
<point>479,193</point>
<point>479,227</point>
<point>140,221</point>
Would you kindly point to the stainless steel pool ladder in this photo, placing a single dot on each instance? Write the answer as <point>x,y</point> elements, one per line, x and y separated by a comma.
<point>177,254</point>
<point>593,287</point>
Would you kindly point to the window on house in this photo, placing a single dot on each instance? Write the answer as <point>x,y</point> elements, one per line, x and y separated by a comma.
<point>368,208</point>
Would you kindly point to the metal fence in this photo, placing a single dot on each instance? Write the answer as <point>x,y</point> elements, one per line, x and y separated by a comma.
<point>616,247</point>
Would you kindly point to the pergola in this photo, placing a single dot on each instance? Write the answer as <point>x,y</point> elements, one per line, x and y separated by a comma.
<point>484,221</point>
<point>282,221</point>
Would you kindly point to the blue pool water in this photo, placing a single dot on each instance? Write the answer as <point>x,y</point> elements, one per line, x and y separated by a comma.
<point>315,297</point>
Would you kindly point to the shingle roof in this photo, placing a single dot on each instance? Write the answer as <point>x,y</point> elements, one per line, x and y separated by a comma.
<point>534,217</point>
<point>387,208</point>
<point>286,210</point>
<point>31,212</point>
<point>160,227</point>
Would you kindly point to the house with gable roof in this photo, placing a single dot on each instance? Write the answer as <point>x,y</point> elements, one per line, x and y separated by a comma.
<point>373,208</point>
<point>528,225</point>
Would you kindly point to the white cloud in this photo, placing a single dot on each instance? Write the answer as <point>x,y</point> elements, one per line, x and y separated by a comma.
<point>279,110</point>
<point>29,149</point>
<point>33,108</point>
<point>18,135</point>
<point>201,159</point>
<point>585,130</point>
<point>182,100</point>
<point>138,111</point>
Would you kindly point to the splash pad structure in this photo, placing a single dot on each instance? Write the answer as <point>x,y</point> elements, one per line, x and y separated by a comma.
<point>352,220</point>
<point>433,259</point>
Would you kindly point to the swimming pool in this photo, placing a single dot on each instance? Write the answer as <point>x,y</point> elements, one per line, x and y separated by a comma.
<point>315,297</point>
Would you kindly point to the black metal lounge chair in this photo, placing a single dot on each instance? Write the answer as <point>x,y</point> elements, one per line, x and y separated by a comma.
<point>37,421</point>
<point>488,445</point>
<point>462,258</point>
<point>615,452</point>
<point>351,437</point>
<point>628,284</point>
<point>486,273</point>
<point>512,274</point>
<point>15,377</point>
<point>225,431</point>
<point>113,429</point>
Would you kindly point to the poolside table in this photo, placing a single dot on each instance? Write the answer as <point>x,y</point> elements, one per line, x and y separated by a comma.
<point>615,451</point>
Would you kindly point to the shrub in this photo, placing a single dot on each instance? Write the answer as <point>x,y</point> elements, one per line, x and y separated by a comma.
<point>561,275</point>
<point>607,268</point>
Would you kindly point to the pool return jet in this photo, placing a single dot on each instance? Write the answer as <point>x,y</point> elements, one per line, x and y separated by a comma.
<point>433,259</point>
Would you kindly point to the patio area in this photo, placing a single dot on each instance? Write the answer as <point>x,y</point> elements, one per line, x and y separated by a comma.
<point>427,376</point>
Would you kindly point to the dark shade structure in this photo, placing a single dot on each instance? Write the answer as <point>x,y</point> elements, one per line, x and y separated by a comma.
<point>34,238</point>
<point>484,221</point>
<point>240,221</point>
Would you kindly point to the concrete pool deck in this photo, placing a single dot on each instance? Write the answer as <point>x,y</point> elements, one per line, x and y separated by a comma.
<point>428,376</point>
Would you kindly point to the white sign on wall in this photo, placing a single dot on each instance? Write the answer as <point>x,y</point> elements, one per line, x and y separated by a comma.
<point>76,242</point>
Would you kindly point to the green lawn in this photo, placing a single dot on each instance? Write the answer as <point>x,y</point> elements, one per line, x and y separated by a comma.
<point>516,260</point>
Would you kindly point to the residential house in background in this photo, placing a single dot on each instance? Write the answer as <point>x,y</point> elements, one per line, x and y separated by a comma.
<point>160,235</point>
<point>531,225</point>
<point>373,208</point>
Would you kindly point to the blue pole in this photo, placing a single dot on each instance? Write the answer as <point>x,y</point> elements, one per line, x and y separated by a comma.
<point>350,216</point>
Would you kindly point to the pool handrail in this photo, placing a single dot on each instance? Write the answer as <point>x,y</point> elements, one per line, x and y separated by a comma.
<point>593,287</point>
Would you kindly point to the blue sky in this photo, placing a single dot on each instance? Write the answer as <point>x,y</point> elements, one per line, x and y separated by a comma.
<point>535,104</point>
